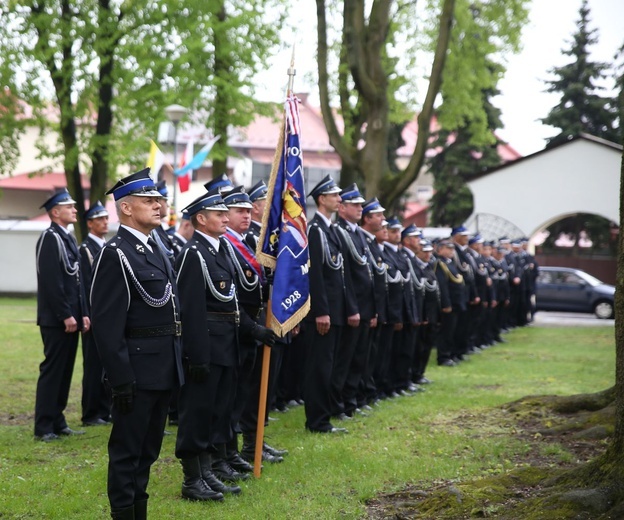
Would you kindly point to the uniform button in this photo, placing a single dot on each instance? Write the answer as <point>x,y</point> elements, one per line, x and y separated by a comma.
<point>152,274</point>
<point>138,349</point>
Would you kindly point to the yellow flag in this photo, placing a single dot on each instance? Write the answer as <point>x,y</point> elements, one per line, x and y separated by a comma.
<point>156,160</point>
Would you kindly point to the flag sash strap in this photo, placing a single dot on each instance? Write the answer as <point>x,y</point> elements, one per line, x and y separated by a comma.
<point>243,249</point>
<point>283,243</point>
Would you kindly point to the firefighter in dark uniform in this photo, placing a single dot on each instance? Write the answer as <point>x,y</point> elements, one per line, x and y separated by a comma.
<point>404,340</point>
<point>252,288</point>
<point>95,397</point>
<point>351,357</point>
<point>182,235</point>
<point>492,266</point>
<point>394,314</point>
<point>211,316</point>
<point>249,421</point>
<point>483,283</point>
<point>61,315</point>
<point>430,326</point>
<point>136,327</point>
<point>465,319</point>
<point>532,272</point>
<point>411,238</point>
<point>453,300</point>
<point>162,238</point>
<point>324,324</point>
<point>380,331</point>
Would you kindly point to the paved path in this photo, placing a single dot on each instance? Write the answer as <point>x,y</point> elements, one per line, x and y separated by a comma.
<point>569,319</point>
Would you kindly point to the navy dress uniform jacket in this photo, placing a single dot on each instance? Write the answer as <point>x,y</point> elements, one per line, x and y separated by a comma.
<point>59,292</point>
<point>360,279</point>
<point>206,341</point>
<point>328,294</point>
<point>153,363</point>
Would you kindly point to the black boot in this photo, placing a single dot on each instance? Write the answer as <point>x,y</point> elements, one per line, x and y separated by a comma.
<point>127,513</point>
<point>249,450</point>
<point>194,487</point>
<point>234,459</point>
<point>140,510</point>
<point>222,470</point>
<point>205,460</point>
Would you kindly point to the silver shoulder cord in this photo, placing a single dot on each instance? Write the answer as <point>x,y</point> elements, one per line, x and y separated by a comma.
<point>418,285</point>
<point>327,256</point>
<point>359,259</point>
<point>398,277</point>
<point>383,270</point>
<point>208,282</point>
<point>70,269</point>
<point>147,298</point>
<point>248,286</point>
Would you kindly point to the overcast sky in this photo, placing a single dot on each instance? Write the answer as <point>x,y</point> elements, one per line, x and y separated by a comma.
<point>523,100</point>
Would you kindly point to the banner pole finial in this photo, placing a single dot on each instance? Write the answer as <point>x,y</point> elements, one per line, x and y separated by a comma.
<point>291,71</point>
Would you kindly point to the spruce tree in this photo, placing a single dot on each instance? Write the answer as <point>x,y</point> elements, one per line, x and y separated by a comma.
<point>581,108</point>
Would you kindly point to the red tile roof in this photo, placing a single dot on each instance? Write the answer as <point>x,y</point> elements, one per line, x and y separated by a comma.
<point>39,182</point>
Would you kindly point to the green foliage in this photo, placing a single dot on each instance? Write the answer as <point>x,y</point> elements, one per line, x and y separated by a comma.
<point>581,108</point>
<point>445,433</point>
<point>483,31</point>
<point>109,67</point>
<point>459,158</point>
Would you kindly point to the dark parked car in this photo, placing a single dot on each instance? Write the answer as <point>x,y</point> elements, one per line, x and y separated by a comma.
<point>573,290</point>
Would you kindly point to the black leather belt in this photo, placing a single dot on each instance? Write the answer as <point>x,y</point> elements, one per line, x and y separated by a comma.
<point>173,329</point>
<point>233,317</point>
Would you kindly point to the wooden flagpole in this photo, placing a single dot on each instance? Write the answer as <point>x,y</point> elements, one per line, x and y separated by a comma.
<point>266,351</point>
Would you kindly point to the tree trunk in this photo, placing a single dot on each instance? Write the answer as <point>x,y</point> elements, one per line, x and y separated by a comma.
<point>362,54</point>
<point>222,70</point>
<point>106,52</point>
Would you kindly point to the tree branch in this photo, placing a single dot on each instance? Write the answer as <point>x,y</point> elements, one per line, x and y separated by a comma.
<point>400,183</point>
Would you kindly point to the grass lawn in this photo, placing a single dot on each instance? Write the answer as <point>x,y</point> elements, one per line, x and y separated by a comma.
<point>406,440</point>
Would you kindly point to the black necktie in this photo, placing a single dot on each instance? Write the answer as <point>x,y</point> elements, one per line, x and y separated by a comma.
<point>152,243</point>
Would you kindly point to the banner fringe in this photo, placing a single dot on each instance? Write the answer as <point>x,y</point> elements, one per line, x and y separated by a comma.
<point>281,329</point>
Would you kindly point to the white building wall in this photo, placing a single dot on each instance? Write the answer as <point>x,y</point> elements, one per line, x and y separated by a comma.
<point>579,177</point>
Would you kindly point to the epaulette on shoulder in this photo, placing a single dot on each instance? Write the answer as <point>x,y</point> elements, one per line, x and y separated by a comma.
<point>114,242</point>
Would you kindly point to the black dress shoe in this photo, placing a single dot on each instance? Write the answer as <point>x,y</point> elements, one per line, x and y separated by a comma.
<point>447,363</point>
<point>47,437</point>
<point>336,430</point>
<point>68,431</point>
<point>367,408</point>
<point>423,381</point>
<point>343,417</point>
<point>239,464</point>
<point>95,422</point>
<point>225,473</point>
<point>274,451</point>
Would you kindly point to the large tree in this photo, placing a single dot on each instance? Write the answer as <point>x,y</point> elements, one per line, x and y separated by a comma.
<point>459,157</point>
<point>581,108</point>
<point>371,46</point>
<point>109,67</point>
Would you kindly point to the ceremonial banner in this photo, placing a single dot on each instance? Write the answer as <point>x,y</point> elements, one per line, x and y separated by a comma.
<point>283,244</point>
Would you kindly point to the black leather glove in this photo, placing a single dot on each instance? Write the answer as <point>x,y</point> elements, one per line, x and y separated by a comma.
<point>264,335</point>
<point>123,398</point>
<point>198,373</point>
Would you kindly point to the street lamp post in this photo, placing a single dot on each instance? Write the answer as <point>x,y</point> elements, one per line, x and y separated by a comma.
<point>175,113</point>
